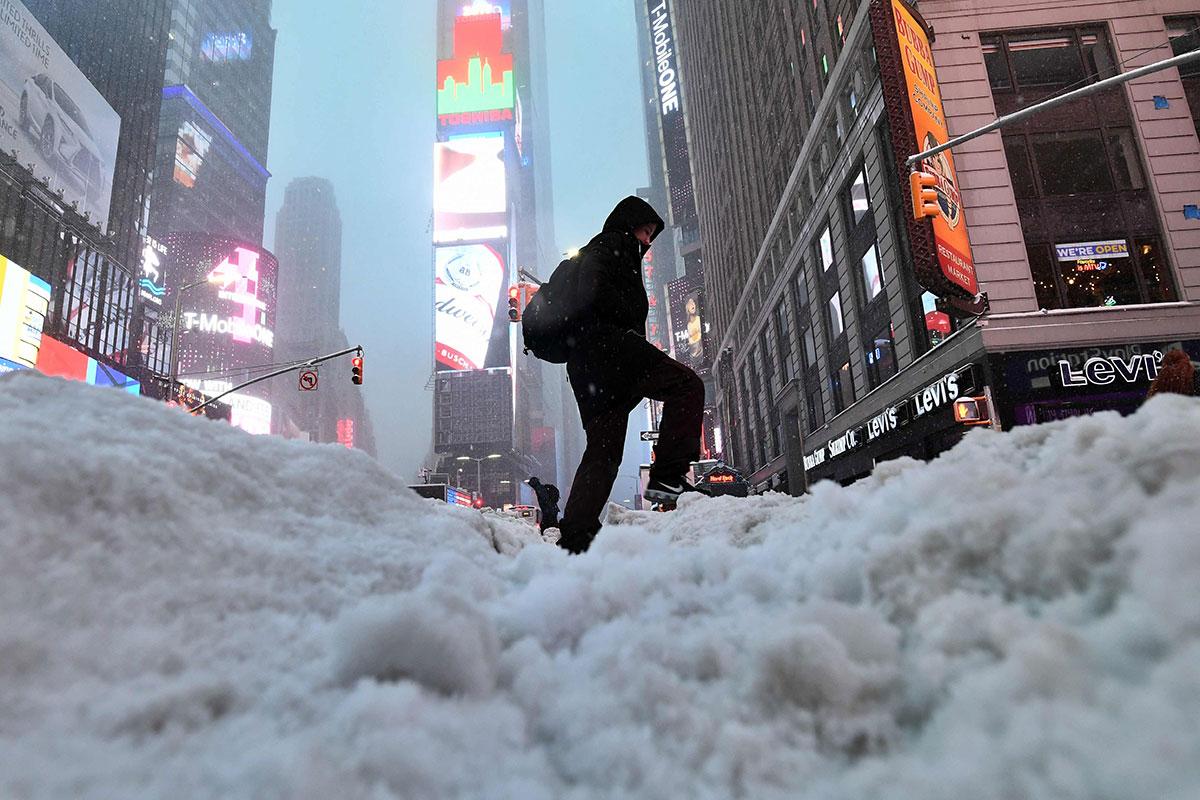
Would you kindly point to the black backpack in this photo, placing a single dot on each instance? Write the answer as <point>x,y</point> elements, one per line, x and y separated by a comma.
<point>549,319</point>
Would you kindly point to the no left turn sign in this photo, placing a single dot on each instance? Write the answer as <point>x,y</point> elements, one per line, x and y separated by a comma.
<point>308,380</point>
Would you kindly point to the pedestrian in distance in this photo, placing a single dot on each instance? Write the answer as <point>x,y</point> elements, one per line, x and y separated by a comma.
<point>547,496</point>
<point>612,368</point>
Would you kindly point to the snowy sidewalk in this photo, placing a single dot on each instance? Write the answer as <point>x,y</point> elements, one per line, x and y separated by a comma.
<point>190,612</point>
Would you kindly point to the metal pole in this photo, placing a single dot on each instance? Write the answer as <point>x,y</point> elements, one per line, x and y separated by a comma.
<point>479,476</point>
<point>1045,105</point>
<point>292,368</point>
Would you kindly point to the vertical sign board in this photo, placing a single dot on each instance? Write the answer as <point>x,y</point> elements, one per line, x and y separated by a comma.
<point>941,248</point>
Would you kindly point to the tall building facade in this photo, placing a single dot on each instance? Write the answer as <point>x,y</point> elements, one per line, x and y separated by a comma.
<point>78,241</point>
<point>838,343</point>
<point>308,243</point>
<point>213,138</point>
<point>674,270</point>
<point>492,218</point>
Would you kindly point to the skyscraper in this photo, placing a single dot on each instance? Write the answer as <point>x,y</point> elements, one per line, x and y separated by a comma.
<point>216,114</point>
<point>308,242</point>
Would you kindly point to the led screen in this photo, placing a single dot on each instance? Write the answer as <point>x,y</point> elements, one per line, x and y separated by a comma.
<point>687,321</point>
<point>53,118</point>
<point>191,148</point>
<point>479,78</point>
<point>24,300</point>
<point>470,197</point>
<point>488,8</point>
<point>220,47</point>
<point>468,285</point>
<point>56,358</point>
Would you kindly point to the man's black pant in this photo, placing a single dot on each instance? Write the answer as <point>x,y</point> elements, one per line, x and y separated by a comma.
<point>682,394</point>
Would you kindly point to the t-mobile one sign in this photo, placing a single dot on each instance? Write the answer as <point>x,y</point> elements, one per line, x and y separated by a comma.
<point>664,56</point>
<point>237,279</point>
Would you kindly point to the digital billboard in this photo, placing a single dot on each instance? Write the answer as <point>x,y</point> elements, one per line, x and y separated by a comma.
<point>63,361</point>
<point>251,414</point>
<point>479,78</point>
<point>191,148</point>
<point>222,47</point>
<point>470,198</point>
<point>477,8</point>
<point>687,322</point>
<point>53,118</point>
<point>470,315</point>
<point>24,301</point>
<point>227,318</point>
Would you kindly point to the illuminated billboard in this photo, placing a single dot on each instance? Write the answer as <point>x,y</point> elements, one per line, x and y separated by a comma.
<point>60,360</point>
<point>191,148</point>
<point>484,8</point>
<point>53,118</point>
<point>470,198</point>
<point>470,316</point>
<point>221,47</point>
<point>227,318</point>
<point>24,301</point>
<point>688,330</point>
<point>479,78</point>
<point>941,247</point>
<point>251,414</point>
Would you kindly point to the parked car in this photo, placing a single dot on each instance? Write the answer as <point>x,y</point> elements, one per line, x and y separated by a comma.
<point>62,133</point>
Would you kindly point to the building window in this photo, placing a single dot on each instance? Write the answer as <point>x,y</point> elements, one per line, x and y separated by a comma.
<point>860,198</point>
<point>783,332</point>
<point>837,325</point>
<point>880,353</point>
<point>1184,33</point>
<point>825,250</point>
<point>872,272</point>
<point>1084,204</point>
<point>841,387</point>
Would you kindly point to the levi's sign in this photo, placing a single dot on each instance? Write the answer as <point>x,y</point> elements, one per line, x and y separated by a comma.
<point>936,396</point>
<point>1103,371</point>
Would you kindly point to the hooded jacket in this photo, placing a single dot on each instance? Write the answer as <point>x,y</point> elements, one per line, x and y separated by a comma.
<point>610,289</point>
<point>612,351</point>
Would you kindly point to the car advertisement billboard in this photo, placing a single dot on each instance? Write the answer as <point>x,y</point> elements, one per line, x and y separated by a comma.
<point>470,198</point>
<point>53,118</point>
<point>24,301</point>
<point>471,325</point>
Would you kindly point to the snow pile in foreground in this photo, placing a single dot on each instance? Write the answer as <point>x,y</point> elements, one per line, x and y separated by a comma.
<point>191,612</point>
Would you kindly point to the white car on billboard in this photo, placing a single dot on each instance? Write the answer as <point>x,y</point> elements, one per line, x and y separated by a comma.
<point>62,134</point>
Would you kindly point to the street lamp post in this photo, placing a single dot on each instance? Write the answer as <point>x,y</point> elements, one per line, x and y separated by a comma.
<point>174,376</point>
<point>479,468</point>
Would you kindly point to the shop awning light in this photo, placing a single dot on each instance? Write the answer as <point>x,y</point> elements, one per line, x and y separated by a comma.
<point>972,411</point>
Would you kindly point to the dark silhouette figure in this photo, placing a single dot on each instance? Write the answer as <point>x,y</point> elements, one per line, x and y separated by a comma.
<point>612,368</point>
<point>547,496</point>
<point>1177,375</point>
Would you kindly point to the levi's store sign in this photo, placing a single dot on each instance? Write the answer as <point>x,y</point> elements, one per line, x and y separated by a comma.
<point>936,396</point>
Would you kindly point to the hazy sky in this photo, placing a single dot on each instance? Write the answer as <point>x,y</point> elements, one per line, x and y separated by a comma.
<point>354,103</point>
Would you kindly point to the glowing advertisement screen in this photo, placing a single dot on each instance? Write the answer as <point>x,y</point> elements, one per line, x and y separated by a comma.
<point>470,199</point>
<point>479,78</point>
<point>488,8</point>
<point>53,118</point>
<point>191,148</point>
<point>24,301</point>
<point>468,285</point>
<point>60,360</point>
<point>221,47</point>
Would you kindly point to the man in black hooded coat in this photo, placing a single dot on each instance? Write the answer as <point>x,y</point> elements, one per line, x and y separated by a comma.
<point>612,368</point>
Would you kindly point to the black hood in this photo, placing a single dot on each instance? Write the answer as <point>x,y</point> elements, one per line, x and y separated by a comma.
<point>630,214</point>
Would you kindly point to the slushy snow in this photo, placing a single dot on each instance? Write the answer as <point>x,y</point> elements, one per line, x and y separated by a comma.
<point>187,611</point>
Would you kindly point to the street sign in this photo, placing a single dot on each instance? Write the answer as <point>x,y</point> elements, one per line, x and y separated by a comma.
<point>649,436</point>
<point>308,379</point>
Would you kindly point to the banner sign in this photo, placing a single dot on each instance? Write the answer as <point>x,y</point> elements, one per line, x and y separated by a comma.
<point>53,118</point>
<point>942,249</point>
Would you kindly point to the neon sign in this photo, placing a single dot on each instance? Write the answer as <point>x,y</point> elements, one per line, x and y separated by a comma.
<point>151,284</point>
<point>664,57</point>
<point>238,282</point>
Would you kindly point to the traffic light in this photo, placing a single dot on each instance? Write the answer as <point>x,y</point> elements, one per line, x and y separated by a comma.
<point>924,194</point>
<point>356,369</point>
<point>514,304</point>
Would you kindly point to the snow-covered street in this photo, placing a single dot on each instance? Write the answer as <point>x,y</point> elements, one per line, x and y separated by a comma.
<point>187,611</point>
